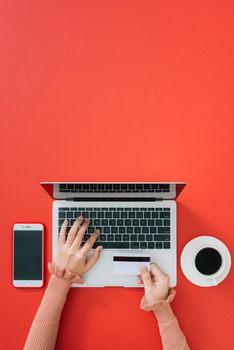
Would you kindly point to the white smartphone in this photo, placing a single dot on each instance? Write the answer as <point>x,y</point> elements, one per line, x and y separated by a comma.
<point>28,255</point>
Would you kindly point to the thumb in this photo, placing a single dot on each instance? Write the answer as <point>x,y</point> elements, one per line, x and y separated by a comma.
<point>145,275</point>
<point>94,257</point>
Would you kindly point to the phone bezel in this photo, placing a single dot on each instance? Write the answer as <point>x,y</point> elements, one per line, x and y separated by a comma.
<point>24,226</point>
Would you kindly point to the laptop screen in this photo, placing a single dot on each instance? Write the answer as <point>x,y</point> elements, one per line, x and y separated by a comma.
<point>112,190</point>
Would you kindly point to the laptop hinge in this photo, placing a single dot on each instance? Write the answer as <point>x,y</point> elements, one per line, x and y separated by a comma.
<point>123,199</point>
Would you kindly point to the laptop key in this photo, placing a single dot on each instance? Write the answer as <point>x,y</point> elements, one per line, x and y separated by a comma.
<point>162,237</point>
<point>134,245</point>
<point>129,229</point>
<point>120,222</point>
<point>143,245</point>
<point>96,222</point>
<point>145,229</point>
<point>158,222</point>
<point>112,222</point>
<point>167,222</point>
<point>104,222</point>
<point>124,215</point>
<point>166,245</point>
<point>133,237</point>
<point>153,229</point>
<point>155,215</point>
<point>102,237</point>
<point>151,245</point>
<point>143,222</point>
<point>112,245</point>
<point>118,238</point>
<point>86,237</point>
<point>122,229</point>
<point>62,214</point>
<point>114,229</point>
<point>137,229</point>
<point>90,229</point>
<point>139,214</point>
<point>135,222</point>
<point>158,245</point>
<point>106,229</point>
<point>141,238</point>
<point>164,229</point>
<point>110,237</point>
<point>149,238</point>
<point>127,222</point>
<point>126,238</point>
<point>165,214</point>
<point>151,222</point>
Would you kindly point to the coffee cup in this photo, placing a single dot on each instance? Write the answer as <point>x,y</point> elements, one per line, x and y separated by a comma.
<point>209,261</point>
<point>205,261</point>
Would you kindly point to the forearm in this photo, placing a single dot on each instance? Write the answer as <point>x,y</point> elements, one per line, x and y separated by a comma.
<point>171,334</point>
<point>44,329</point>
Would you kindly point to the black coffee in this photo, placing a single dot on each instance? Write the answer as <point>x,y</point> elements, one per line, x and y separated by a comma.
<point>208,261</point>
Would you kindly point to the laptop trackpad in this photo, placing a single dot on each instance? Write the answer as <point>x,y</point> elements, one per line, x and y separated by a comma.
<point>130,263</point>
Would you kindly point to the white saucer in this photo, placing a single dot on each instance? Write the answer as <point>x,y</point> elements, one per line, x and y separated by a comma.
<point>188,257</point>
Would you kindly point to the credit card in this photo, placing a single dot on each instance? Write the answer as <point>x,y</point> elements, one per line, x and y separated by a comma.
<point>130,263</point>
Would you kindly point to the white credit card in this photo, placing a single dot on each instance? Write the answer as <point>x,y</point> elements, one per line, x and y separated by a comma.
<point>130,263</point>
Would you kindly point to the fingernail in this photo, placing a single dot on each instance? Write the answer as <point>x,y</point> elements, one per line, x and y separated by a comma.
<point>143,269</point>
<point>80,217</point>
<point>100,247</point>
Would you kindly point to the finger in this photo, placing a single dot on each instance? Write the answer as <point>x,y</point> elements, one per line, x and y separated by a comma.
<point>73,231</point>
<point>139,280</point>
<point>145,275</point>
<point>58,272</point>
<point>62,235</point>
<point>78,239</point>
<point>51,266</point>
<point>89,243</point>
<point>157,273</point>
<point>77,279</point>
<point>94,257</point>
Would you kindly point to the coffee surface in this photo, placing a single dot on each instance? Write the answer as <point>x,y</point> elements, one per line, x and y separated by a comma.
<point>208,261</point>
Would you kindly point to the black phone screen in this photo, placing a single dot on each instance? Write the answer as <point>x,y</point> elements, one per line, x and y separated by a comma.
<point>27,255</point>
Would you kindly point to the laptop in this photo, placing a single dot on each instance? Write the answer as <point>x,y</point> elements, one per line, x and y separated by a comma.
<point>137,222</point>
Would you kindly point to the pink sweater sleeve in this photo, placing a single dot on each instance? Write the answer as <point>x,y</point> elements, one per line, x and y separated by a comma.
<point>171,335</point>
<point>44,329</point>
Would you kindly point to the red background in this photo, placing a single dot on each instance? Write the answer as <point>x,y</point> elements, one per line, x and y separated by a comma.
<point>128,90</point>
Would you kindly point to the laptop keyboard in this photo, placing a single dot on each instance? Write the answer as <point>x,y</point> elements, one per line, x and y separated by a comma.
<point>124,228</point>
<point>112,188</point>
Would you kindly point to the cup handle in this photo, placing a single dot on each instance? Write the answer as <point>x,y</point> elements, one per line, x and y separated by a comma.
<point>215,282</point>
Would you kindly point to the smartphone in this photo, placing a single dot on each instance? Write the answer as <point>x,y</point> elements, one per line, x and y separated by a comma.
<point>28,255</point>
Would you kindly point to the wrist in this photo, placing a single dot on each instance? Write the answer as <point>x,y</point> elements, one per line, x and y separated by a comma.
<point>163,312</point>
<point>159,304</point>
<point>58,286</point>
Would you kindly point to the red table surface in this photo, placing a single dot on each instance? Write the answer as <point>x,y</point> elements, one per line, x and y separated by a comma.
<point>118,91</point>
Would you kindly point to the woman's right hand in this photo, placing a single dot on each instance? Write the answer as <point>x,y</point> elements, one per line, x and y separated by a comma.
<point>156,283</point>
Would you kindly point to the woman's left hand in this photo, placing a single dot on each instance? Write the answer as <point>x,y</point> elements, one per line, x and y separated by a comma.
<point>70,254</point>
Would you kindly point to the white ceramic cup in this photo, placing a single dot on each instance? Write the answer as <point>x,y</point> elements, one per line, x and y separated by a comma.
<point>213,277</point>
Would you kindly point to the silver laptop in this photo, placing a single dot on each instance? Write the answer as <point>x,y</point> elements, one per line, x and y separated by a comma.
<point>137,221</point>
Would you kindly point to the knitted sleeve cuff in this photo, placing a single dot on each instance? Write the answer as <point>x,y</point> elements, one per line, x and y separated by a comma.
<point>158,304</point>
<point>64,274</point>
